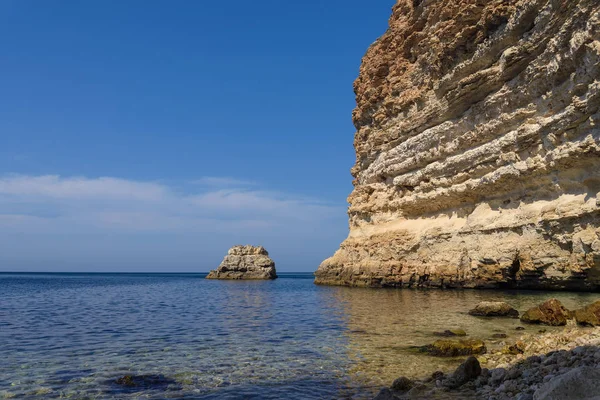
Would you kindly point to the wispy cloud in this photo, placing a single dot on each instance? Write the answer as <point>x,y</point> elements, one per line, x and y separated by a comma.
<point>215,181</point>
<point>62,203</point>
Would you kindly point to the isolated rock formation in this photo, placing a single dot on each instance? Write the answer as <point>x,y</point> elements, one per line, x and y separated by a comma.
<point>245,262</point>
<point>477,149</point>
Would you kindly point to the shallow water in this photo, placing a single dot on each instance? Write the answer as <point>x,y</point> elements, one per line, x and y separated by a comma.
<point>73,335</point>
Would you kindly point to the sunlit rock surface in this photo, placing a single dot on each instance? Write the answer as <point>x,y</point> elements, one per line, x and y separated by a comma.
<point>245,262</point>
<point>478,149</point>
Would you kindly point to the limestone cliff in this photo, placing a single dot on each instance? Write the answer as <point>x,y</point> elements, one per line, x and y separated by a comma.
<point>478,149</point>
<point>247,263</point>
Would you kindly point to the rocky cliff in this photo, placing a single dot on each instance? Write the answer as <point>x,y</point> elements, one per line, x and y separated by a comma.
<point>477,149</point>
<point>245,262</point>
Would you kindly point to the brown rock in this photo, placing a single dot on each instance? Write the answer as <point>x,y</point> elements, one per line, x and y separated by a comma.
<point>455,348</point>
<point>552,313</point>
<point>514,349</point>
<point>494,309</point>
<point>589,315</point>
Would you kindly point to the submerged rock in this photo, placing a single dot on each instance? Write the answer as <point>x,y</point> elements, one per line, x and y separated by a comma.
<point>145,381</point>
<point>247,263</point>
<point>451,332</point>
<point>455,348</point>
<point>589,315</point>
<point>494,309</point>
<point>552,313</point>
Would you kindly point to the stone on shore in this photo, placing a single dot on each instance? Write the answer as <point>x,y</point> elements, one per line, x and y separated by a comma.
<point>578,384</point>
<point>589,315</point>
<point>245,263</point>
<point>467,371</point>
<point>494,309</point>
<point>402,384</point>
<point>552,313</point>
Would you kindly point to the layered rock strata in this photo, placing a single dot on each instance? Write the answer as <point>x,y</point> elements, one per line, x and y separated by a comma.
<point>477,149</point>
<point>245,262</point>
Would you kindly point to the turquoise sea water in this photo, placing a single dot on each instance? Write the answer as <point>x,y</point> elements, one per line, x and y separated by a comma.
<point>74,335</point>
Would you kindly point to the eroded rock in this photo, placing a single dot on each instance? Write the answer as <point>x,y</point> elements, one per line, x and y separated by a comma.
<point>589,315</point>
<point>551,312</point>
<point>477,149</point>
<point>247,263</point>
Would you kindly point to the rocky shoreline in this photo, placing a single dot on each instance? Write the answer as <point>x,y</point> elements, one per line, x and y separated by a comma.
<point>559,365</point>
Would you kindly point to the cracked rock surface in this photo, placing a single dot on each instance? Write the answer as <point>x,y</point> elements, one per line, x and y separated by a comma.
<point>245,262</point>
<point>477,149</point>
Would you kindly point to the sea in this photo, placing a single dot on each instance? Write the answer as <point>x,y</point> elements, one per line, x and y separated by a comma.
<point>180,336</point>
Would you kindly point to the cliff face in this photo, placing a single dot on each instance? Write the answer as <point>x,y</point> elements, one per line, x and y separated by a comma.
<point>478,149</point>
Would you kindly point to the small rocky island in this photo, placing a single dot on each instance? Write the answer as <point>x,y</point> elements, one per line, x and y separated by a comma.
<point>245,263</point>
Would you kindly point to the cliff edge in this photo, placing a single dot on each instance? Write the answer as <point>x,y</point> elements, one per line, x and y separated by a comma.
<point>477,149</point>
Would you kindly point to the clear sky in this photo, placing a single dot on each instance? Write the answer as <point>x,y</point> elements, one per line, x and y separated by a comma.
<point>147,135</point>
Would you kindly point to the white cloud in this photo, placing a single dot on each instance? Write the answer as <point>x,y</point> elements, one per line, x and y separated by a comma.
<point>53,186</point>
<point>64,204</point>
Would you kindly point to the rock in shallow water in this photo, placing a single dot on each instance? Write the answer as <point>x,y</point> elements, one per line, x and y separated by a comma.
<point>494,309</point>
<point>589,315</point>
<point>451,332</point>
<point>455,348</point>
<point>245,263</point>
<point>552,312</point>
<point>155,382</point>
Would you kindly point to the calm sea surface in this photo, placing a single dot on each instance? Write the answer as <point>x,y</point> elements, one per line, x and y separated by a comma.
<point>74,335</point>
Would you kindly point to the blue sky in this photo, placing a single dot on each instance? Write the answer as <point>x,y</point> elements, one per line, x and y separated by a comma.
<point>153,135</point>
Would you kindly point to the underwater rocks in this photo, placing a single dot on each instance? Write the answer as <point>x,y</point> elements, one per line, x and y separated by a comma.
<point>245,263</point>
<point>477,149</point>
<point>454,348</point>
<point>562,365</point>
<point>157,382</point>
<point>551,312</point>
<point>451,333</point>
<point>494,309</point>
